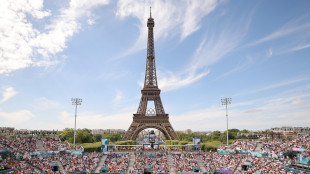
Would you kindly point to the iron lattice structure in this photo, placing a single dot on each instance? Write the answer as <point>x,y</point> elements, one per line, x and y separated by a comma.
<point>150,118</point>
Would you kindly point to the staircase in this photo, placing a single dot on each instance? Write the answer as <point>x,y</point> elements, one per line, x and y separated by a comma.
<point>40,146</point>
<point>258,147</point>
<point>101,162</point>
<point>131,161</point>
<point>61,168</point>
<point>171,165</point>
<point>201,164</point>
<point>238,168</point>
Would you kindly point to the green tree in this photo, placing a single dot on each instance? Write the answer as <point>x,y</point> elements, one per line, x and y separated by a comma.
<point>97,137</point>
<point>113,137</point>
<point>244,131</point>
<point>84,136</point>
<point>67,135</point>
<point>215,136</point>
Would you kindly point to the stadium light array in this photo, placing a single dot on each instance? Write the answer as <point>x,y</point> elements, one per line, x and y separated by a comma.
<point>226,102</point>
<point>76,102</point>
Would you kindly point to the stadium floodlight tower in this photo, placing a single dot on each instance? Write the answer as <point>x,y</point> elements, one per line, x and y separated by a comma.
<point>76,102</point>
<point>226,101</point>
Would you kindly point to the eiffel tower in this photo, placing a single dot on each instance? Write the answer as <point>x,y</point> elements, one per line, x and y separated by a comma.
<point>150,118</point>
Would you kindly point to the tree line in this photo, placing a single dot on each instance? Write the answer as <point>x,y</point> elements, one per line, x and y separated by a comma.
<point>85,136</point>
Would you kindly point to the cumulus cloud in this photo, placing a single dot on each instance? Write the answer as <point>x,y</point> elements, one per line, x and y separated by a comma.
<point>93,121</point>
<point>22,45</point>
<point>15,118</point>
<point>8,93</point>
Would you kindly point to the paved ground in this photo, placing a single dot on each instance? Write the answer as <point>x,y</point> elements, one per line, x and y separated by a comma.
<point>101,162</point>
<point>40,146</point>
<point>171,164</point>
<point>201,165</point>
<point>131,161</point>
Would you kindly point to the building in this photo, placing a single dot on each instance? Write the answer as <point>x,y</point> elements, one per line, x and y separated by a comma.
<point>104,131</point>
<point>203,132</point>
<point>187,131</point>
<point>7,131</point>
<point>289,131</point>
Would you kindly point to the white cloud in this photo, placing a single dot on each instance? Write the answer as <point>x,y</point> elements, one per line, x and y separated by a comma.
<point>118,98</point>
<point>276,85</point>
<point>242,65</point>
<point>8,93</point>
<point>170,81</point>
<point>261,114</point>
<point>93,121</point>
<point>219,42</point>
<point>290,35</point>
<point>45,104</point>
<point>290,28</point>
<point>22,45</point>
<point>15,118</point>
<point>91,21</point>
<point>168,15</point>
<point>269,52</point>
<point>298,102</point>
<point>299,47</point>
<point>214,47</point>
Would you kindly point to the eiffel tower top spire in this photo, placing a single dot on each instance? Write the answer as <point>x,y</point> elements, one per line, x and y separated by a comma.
<point>150,80</point>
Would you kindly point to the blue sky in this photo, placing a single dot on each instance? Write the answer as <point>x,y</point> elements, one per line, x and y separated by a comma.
<point>256,52</point>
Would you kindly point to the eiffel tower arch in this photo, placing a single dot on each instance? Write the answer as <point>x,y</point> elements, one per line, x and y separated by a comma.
<point>150,117</point>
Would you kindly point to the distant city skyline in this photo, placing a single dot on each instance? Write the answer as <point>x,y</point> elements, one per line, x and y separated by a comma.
<point>255,52</point>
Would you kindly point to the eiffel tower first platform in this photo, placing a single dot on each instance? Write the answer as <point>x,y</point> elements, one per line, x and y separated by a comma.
<point>150,118</point>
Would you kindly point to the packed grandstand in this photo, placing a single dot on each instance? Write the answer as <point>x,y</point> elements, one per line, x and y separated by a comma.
<point>50,155</point>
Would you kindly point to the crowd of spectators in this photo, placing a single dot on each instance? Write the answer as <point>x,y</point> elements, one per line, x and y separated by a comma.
<point>25,158</point>
<point>117,162</point>
<point>52,144</point>
<point>272,162</point>
<point>185,162</point>
<point>263,165</point>
<point>157,162</point>
<point>21,167</point>
<point>20,145</point>
<point>85,162</point>
<point>45,164</point>
<point>240,145</point>
<point>277,147</point>
<point>216,162</point>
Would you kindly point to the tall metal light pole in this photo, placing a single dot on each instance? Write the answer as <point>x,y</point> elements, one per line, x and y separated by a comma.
<point>226,101</point>
<point>76,102</point>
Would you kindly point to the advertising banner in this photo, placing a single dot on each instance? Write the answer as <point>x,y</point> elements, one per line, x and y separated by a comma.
<point>301,159</point>
<point>104,144</point>
<point>196,142</point>
<point>299,149</point>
